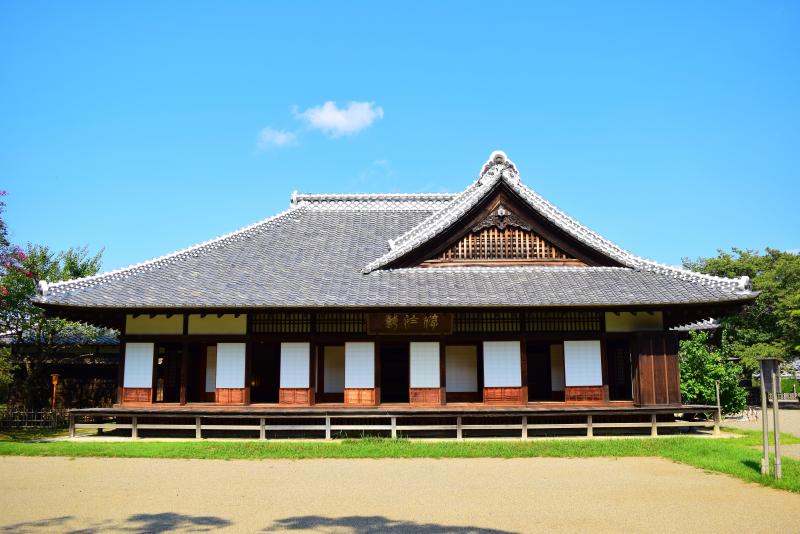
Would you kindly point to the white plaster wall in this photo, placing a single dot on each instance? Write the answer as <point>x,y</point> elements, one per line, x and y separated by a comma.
<point>159,324</point>
<point>638,322</point>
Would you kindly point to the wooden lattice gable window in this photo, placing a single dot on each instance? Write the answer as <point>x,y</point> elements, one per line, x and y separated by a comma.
<point>504,236</point>
<point>503,230</point>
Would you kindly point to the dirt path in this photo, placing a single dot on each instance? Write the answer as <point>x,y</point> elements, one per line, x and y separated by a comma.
<point>789,420</point>
<point>460,496</point>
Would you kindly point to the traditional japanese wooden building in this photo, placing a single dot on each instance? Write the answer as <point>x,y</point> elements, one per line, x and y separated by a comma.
<point>488,299</point>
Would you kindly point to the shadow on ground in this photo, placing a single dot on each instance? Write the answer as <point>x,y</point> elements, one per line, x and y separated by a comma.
<point>751,464</point>
<point>164,522</point>
<point>371,525</point>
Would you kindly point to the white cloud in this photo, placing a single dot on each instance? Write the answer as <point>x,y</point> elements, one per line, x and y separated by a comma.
<point>336,122</point>
<point>271,138</point>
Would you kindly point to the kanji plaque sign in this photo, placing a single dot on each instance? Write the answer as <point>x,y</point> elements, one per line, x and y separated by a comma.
<point>402,323</point>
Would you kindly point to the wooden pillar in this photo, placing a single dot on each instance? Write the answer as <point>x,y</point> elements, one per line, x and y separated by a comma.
<point>443,371</point>
<point>313,359</point>
<point>198,428</point>
<point>394,427</point>
<point>71,425</point>
<point>184,360</point>
<point>134,427</point>
<point>184,371</point>
<point>589,429</point>
<point>121,371</point>
<point>523,364</point>
<point>459,431</point>
<point>524,427</point>
<point>377,367</point>
<point>262,430</point>
<point>248,366</point>
<point>653,425</point>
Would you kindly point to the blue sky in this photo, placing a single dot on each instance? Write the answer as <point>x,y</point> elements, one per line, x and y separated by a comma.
<point>671,128</point>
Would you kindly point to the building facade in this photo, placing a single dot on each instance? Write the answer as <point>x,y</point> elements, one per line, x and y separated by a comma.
<point>491,297</point>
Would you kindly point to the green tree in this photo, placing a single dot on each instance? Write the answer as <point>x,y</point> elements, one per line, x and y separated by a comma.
<point>770,327</point>
<point>28,324</point>
<point>701,366</point>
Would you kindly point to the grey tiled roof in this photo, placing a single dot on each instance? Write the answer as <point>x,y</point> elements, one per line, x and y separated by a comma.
<point>315,254</point>
<point>704,324</point>
<point>314,257</point>
<point>92,336</point>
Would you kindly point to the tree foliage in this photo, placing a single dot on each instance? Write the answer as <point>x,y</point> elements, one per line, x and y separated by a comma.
<point>23,321</point>
<point>770,327</point>
<point>701,366</point>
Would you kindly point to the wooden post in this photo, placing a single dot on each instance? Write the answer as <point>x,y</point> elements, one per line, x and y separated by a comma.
<point>327,427</point>
<point>262,431</point>
<point>184,373</point>
<point>718,413</point>
<point>589,429</point>
<point>198,428</point>
<point>653,425</point>
<point>459,433</point>
<point>524,427</point>
<point>764,425</point>
<point>134,427</point>
<point>71,425</point>
<point>776,384</point>
<point>394,427</point>
<point>121,369</point>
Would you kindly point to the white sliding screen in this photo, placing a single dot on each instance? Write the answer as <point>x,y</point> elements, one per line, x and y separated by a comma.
<point>583,363</point>
<point>502,364</point>
<point>359,365</point>
<point>230,365</point>
<point>295,365</point>
<point>461,368</point>
<point>138,365</point>
<point>211,369</point>
<point>424,364</point>
<point>333,369</point>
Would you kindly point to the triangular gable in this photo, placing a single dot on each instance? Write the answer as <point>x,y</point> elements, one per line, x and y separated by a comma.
<point>470,230</point>
<point>501,236</point>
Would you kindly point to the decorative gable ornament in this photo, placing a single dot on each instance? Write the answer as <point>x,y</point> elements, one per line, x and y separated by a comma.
<point>501,218</point>
<point>499,164</point>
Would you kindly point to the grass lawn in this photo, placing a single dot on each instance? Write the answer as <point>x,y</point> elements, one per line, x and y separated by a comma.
<point>738,457</point>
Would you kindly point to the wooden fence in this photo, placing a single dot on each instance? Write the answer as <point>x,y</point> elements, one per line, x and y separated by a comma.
<point>333,426</point>
<point>14,419</point>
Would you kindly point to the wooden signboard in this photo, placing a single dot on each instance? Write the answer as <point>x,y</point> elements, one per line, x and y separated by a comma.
<point>410,323</point>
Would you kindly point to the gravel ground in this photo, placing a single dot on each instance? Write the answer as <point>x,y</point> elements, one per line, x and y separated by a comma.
<point>420,495</point>
<point>789,419</point>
